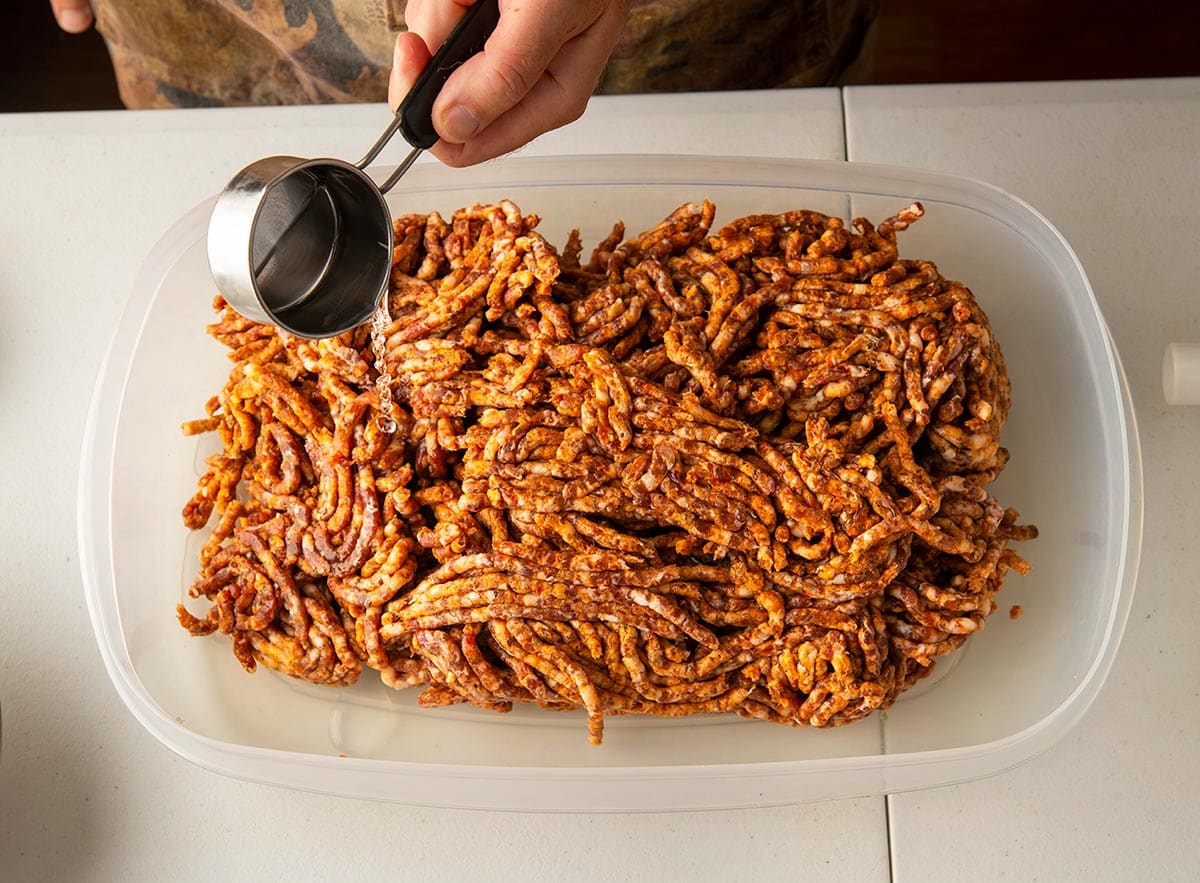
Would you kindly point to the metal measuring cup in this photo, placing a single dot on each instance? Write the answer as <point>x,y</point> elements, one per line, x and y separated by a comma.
<point>306,244</point>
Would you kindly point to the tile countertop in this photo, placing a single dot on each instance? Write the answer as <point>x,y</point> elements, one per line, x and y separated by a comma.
<point>86,793</point>
<point>1115,166</point>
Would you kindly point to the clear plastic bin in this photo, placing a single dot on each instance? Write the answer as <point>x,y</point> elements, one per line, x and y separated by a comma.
<point>1012,691</point>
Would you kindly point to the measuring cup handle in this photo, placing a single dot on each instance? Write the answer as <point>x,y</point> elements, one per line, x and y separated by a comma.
<point>467,39</point>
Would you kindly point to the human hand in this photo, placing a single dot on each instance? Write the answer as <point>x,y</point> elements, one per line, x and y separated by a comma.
<point>536,73</point>
<point>73,16</point>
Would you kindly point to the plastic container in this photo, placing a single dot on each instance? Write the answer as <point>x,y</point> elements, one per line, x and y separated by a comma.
<point>1010,693</point>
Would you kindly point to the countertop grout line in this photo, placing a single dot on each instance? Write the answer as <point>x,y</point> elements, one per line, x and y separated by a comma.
<point>887,832</point>
<point>845,124</point>
<point>843,94</point>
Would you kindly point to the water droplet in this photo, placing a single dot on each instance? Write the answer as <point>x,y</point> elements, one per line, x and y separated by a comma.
<point>386,421</point>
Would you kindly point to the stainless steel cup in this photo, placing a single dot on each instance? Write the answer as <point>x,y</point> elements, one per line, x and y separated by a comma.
<point>306,244</point>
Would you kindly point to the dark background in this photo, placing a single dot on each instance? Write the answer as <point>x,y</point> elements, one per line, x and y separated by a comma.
<point>913,41</point>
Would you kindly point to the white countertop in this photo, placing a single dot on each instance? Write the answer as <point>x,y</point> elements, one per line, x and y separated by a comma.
<point>1115,167</point>
<point>86,793</point>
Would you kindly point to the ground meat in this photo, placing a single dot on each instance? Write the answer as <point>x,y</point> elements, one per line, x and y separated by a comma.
<point>741,470</point>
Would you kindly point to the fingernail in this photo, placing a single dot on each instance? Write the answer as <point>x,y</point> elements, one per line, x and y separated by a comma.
<point>74,21</point>
<point>459,124</point>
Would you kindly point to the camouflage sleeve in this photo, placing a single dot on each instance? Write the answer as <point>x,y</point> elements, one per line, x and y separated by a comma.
<point>686,45</point>
<point>240,52</point>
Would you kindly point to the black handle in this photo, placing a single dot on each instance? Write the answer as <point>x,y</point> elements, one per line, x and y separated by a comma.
<point>467,39</point>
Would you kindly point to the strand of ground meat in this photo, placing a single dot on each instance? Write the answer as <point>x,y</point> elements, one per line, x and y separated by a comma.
<point>733,471</point>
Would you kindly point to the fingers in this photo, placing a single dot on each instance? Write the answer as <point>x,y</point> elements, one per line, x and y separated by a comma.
<point>536,73</point>
<point>498,78</point>
<point>526,40</point>
<point>429,22</point>
<point>434,19</point>
<point>527,81</point>
<point>73,16</point>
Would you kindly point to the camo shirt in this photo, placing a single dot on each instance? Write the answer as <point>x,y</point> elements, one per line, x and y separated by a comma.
<point>238,52</point>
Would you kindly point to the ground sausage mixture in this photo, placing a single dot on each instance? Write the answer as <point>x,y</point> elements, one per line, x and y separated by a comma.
<point>741,470</point>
